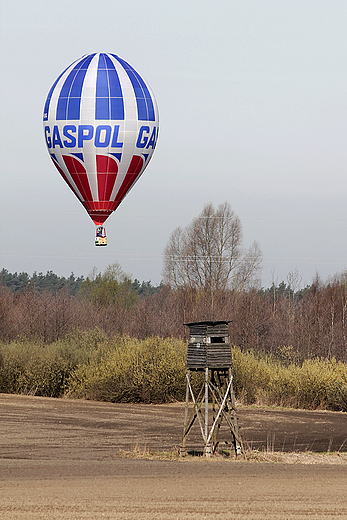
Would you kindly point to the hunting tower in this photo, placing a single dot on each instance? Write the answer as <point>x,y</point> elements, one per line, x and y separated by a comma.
<point>209,352</point>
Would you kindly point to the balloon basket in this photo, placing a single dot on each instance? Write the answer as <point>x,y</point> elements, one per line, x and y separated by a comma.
<point>100,237</point>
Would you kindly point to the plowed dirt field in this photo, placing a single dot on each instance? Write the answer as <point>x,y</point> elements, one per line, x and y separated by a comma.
<point>64,459</point>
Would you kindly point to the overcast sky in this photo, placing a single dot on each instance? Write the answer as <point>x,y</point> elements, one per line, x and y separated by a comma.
<point>252,104</point>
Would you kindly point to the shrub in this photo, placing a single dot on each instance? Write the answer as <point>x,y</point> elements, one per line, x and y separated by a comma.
<point>90,365</point>
<point>319,383</point>
<point>32,369</point>
<point>130,370</point>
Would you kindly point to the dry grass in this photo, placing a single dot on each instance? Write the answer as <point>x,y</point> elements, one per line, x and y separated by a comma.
<point>296,457</point>
<point>266,456</point>
<point>145,452</point>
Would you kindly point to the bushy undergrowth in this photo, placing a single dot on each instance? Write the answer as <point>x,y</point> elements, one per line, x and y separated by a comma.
<point>91,365</point>
<point>318,383</point>
<point>130,370</point>
<point>44,370</point>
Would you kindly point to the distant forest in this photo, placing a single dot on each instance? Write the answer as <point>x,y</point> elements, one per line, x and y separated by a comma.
<point>19,282</point>
<point>291,323</point>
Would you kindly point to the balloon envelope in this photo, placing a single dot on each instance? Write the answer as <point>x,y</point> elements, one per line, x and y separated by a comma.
<point>101,126</point>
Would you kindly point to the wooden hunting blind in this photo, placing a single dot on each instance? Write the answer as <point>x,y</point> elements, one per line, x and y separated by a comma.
<point>208,345</point>
<point>209,352</point>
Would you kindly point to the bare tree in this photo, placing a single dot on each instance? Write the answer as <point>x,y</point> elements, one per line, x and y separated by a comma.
<point>207,255</point>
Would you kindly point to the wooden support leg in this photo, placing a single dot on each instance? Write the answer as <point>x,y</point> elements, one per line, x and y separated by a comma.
<point>185,426</point>
<point>208,444</point>
<point>237,443</point>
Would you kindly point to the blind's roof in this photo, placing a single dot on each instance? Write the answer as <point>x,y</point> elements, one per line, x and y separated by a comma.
<point>210,323</point>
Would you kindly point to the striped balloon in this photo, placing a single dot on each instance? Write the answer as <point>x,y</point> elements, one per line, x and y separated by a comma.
<point>101,127</point>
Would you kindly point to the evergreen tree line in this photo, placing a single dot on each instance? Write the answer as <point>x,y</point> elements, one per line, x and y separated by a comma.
<point>50,282</point>
<point>292,325</point>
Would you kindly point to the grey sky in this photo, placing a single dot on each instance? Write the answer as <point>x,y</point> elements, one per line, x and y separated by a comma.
<point>252,103</point>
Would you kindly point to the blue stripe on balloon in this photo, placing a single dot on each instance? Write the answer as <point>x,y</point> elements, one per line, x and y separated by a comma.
<point>108,97</point>
<point>79,155</point>
<point>102,62</point>
<point>69,102</point>
<point>117,155</point>
<point>102,87</point>
<point>145,106</point>
<point>48,100</point>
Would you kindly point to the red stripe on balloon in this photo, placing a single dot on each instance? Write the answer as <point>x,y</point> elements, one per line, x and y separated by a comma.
<point>63,175</point>
<point>79,175</point>
<point>107,169</point>
<point>135,165</point>
<point>98,211</point>
<point>134,169</point>
<point>95,205</point>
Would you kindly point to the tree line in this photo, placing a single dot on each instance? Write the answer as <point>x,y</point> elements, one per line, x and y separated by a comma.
<point>52,283</point>
<point>207,275</point>
<point>292,325</point>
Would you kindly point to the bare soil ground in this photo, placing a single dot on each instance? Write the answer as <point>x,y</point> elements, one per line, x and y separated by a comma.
<point>62,459</point>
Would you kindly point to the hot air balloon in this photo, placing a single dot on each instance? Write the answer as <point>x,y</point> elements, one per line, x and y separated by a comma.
<point>101,127</point>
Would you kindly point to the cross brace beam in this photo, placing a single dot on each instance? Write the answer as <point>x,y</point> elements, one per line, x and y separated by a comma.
<point>221,394</point>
